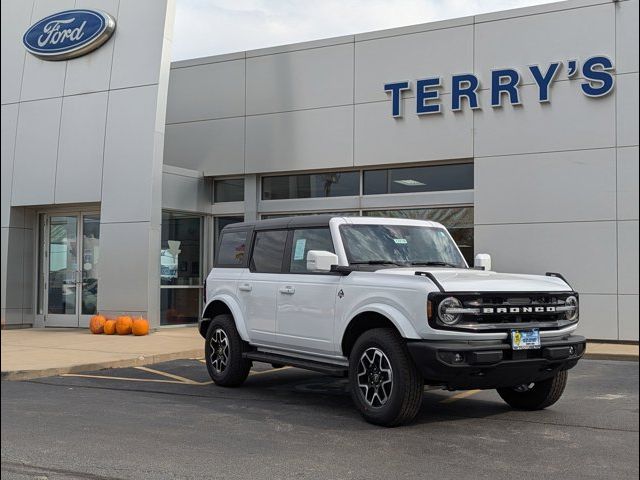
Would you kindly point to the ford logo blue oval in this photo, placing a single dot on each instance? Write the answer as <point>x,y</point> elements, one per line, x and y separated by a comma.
<point>69,34</point>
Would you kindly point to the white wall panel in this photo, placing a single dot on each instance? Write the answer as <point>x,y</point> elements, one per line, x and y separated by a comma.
<point>44,79</point>
<point>584,252</point>
<point>627,37</point>
<point>137,50</point>
<point>628,257</point>
<point>34,170</point>
<point>598,317</point>
<point>319,77</point>
<point>8,143</point>
<point>126,245</point>
<point>203,92</point>
<point>215,147</point>
<point>628,173</point>
<point>128,155</point>
<point>191,194</point>
<point>628,316</point>
<point>542,39</point>
<point>80,151</point>
<point>548,187</point>
<point>627,99</point>
<point>91,73</point>
<point>12,240</point>
<point>303,140</point>
<point>410,57</point>
<point>13,52</point>
<point>545,127</point>
<point>380,138</point>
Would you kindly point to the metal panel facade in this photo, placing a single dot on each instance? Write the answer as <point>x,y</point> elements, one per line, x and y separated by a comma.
<point>555,182</point>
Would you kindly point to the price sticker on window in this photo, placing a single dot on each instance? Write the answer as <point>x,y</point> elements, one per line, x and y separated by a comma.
<point>298,252</point>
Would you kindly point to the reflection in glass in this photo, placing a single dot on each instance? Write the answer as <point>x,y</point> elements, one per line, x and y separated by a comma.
<point>230,190</point>
<point>458,220</point>
<point>433,178</point>
<point>63,265</point>
<point>330,184</point>
<point>180,249</point>
<point>90,262</point>
<point>179,305</point>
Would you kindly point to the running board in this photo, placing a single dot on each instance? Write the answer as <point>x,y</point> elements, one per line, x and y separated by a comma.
<point>326,368</point>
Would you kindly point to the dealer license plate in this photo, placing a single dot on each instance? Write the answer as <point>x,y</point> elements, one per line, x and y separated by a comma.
<point>525,339</point>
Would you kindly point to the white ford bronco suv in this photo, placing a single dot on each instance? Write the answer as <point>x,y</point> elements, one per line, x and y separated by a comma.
<point>390,303</point>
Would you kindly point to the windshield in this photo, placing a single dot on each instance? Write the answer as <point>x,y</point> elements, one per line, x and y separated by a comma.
<point>404,245</point>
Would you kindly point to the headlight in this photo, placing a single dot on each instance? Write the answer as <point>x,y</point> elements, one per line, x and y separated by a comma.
<point>448,311</point>
<point>572,312</point>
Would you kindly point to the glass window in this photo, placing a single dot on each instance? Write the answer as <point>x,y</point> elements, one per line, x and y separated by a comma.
<point>218,224</point>
<point>180,268</point>
<point>268,251</point>
<point>180,249</point>
<point>179,305</point>
<point>306,239</point>
<point>398,244</point>
<point>458,220</point>
<point>419,179</point>
<point>232,249</point>
<point>229,190</point>
<point>90,263</point>
<point>316,185</point>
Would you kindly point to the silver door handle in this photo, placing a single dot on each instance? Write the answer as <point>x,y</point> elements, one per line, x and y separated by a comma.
<point>289,290</point>
<point>245,287</point>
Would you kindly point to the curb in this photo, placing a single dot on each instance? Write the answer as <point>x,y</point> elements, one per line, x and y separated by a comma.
<point>611,356</point>
<point>89,367</point>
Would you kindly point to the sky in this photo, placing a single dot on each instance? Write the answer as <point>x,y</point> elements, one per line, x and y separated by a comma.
<point>213,27</point>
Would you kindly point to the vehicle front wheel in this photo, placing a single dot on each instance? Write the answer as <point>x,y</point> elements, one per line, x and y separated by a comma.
<point>223,353</point>
<point>385,384</point>
<point>535,396</point>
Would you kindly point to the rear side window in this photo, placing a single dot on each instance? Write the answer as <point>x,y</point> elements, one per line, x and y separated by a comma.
<point>306,239</point>
<point>268,251</point>
<point>233,247</point>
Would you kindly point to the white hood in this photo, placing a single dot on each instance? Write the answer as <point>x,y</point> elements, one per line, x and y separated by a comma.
<point>469,280</point>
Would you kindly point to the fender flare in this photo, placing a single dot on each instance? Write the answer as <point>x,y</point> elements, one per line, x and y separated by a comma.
<point>236,311</point>
<point>395,316</point>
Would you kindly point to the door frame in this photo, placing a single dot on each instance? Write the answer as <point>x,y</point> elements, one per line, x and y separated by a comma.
<point>81,320</point>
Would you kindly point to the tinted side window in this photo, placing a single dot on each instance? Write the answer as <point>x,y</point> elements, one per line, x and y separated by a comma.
<point>233,246</point>
<point>268,251</point>
<point>306,239</point>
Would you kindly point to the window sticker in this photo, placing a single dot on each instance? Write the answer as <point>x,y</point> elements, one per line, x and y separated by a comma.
<point>400,241</point>
<point>298,253</point>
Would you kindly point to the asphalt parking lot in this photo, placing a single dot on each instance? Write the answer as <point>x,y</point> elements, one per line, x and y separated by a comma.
<point>169,421</point>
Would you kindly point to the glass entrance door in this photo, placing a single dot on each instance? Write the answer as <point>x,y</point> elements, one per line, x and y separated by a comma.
<point>71,259</point>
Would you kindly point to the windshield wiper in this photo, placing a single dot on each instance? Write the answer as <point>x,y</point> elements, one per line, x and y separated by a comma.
<point>380,262</point>
<point>435,264</point>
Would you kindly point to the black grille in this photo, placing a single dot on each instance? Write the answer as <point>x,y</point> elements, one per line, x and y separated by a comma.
<point>502,311</point>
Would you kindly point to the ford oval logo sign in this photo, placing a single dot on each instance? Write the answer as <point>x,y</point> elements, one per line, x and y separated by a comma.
<point>69,34</point>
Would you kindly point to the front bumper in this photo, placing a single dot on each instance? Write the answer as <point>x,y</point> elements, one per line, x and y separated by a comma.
<point>493,364</point>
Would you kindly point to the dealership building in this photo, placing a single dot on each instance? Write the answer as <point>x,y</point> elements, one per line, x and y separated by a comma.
<point>517,130</point>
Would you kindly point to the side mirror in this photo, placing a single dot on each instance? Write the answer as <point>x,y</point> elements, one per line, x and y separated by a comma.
<point>482,261</point>
<point>320,260</point>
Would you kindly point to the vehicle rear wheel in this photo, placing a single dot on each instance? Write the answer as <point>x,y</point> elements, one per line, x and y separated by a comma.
<point>385,384</point>
<point>223,353</point>
<point>535,396</point>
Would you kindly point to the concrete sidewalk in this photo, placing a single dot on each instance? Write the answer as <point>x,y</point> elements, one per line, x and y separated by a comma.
<point>39,352</point>
<point>34,353</point>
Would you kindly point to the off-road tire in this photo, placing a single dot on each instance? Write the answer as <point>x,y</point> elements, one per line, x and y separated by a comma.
<point>405,397</point>
<point>237,368</point>
<point>542,395</point>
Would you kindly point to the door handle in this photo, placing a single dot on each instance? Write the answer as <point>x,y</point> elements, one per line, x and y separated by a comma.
<point>289,290</point>
<point>245,287</point>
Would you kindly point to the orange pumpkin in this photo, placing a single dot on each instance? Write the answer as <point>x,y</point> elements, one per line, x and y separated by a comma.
<point>96,324</point>
<point>110,327</point>
<point>140,326</point>
<point>123,325</point>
